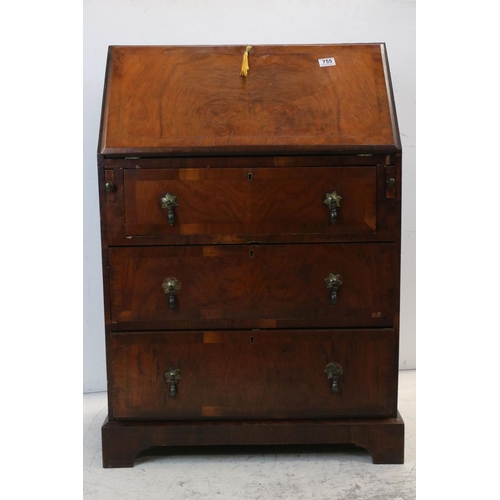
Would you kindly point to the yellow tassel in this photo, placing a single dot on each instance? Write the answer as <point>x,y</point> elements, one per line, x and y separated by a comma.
<point>244,65</point>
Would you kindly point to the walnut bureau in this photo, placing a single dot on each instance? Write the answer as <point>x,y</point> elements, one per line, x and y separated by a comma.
<point>251,248</point>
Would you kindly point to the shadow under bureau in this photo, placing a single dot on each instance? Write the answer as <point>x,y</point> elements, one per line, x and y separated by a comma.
<point>251,248</point>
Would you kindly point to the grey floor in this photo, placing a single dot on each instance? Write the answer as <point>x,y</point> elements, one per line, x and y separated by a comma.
<point>257,473</point>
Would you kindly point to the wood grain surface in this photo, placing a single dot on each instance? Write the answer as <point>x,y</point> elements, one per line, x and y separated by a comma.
<point>250,201</point>
<point>353,225</point>
<point>384,438</point>
<point>246,286</point>
<point>193,100</point>
<point>250,160</point>
<point>253,374</point>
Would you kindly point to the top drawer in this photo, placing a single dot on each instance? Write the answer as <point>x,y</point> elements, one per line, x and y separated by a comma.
<point>250,201</point>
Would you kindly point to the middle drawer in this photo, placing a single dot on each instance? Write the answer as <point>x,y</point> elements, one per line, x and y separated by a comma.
<point>247,286</point>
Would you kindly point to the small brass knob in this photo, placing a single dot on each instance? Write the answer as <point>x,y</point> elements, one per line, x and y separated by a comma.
<point>332,201</point>
<point>334,372</point>
<point>168,202</point>
<point>391,183</point>
<point>110,187</point>
<point>333,281</point>
<point>171,286</point>
<point>171,377</point>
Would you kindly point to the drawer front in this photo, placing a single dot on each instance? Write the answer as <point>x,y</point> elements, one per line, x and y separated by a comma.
<point>254,374</point>
<point>245,286</point>
<point>254,201</point>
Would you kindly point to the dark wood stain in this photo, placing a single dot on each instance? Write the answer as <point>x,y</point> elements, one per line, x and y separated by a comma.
<point>275,201</point>
<point>278,375</point>
<point>194,101</point>
<point>253,329</point>
<point>281,281</point>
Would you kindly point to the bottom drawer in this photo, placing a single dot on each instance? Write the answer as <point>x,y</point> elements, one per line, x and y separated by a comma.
<point>254,374</point>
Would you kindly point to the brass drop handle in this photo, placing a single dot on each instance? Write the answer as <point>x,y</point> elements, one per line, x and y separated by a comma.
<point>171,377</point>
<point>333,281</point>
<point>168,202</point>
<point>334,372</point>
<point>171,286</point>
<point>332,201</point>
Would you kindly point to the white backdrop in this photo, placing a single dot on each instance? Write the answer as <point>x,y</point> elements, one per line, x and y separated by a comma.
<point>220,22</point>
